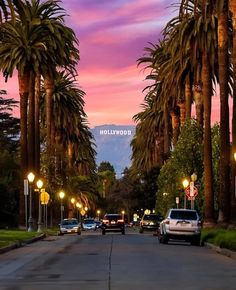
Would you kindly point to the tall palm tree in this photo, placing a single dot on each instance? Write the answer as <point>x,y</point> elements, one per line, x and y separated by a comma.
<point>232,7</point>
<point>223,59</point>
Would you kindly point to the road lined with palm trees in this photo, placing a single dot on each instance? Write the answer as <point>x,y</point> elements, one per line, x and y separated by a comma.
<point>187,66</point>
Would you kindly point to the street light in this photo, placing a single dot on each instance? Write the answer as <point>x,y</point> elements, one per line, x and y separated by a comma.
<point>185,185</point>
<point>193,178</point>
<point>61,195</point>
<point>79,206</point>
<point>30,177</point>
<point>123,214</point>
<point>39,185</point>
<point>98,213</point>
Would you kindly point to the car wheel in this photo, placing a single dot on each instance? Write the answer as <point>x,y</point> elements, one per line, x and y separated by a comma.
<point>160,238</point>
<point>165,239</point>
<point>196,241</point>
<point>103,232</point>
<point>141,230</point>
<point>123,232</point>
<point>79,232</point>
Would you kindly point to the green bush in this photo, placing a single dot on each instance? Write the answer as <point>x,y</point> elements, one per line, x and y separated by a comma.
<point>220,237</point>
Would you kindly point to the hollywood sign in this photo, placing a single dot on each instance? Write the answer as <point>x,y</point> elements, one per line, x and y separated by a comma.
<point>116,132</point>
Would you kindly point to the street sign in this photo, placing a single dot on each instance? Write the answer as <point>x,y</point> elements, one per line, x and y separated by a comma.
<point>191,193</point>
<point>44,197</point>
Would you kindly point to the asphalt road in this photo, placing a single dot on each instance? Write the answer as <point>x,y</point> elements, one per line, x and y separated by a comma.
<point>113,262</point>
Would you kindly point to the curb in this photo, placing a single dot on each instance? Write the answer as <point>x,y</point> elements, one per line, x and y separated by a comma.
<point>222,251</point>
<point>20,244</point>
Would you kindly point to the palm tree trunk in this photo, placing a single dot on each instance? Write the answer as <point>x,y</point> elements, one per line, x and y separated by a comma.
<point>31,123</point>
<point>232,6</point>
<point>197,94</point>
<point>23,80</point>
<point>223,58</point>
<point>182,107</point>
<point>49,87</point>
<point>175,126</point>
<point>209,219</point>
<point>188,97</point>
<point>166,134</point>
<point>37,124</point>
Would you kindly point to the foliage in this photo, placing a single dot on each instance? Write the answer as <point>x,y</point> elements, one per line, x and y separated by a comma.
<point>106,166</point>
<point>185,160</point>
<point>9,168</point>
<point>8,237</point>
<point>220,237</point>
<point>9,125</point>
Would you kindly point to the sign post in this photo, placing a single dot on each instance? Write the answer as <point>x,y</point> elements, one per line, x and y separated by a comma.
<point>191,194</point>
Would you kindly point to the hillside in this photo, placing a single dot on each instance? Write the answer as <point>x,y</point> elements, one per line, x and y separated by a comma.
<point>113,145</point>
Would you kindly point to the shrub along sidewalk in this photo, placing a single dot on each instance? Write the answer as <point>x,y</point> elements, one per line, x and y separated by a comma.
<point>220,237</point>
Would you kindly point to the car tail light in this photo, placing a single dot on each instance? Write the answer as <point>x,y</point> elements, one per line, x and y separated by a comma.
<point>199,223</point>
<point>120,221</point>
<point>167,222</point>
<point>105,221</point>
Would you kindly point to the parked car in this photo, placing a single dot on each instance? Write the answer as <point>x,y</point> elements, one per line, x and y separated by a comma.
<point>98,224</point>
<point>150,222</point>
<point>181,224</point>
<point>113,222</point>
<point>69,226</point>
<point>89,224</point>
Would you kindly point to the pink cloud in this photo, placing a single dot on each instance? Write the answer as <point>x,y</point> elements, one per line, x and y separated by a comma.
<point>112,36</point>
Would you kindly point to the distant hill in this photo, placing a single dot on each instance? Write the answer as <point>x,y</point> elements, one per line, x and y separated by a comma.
<point>113,145</point>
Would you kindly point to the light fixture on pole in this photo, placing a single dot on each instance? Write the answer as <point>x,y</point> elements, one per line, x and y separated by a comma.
<point>185,185</point>
<point>123,215</point>
<point>39,186</point>
<point>193,178</point>
<point>30,177</point>
<point>79,206</point>
<point>98,213</point>
<point>61,195</point>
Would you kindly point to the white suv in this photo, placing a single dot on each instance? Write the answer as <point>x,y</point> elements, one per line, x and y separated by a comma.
<point>181,224</point>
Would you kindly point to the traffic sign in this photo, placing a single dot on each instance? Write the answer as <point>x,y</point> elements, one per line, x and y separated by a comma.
<point>191,193</point>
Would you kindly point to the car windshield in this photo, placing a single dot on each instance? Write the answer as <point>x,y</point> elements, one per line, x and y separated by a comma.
<point>113,217</point>
<point>88,221</point>
<point>69,222</point>
<point>152,217</point>
<point>183,215</point>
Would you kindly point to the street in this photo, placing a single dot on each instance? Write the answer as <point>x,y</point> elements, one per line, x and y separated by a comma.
<point>112,262</point>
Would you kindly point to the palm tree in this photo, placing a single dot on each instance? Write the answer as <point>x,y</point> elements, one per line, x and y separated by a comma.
<point>223,58</point>
<point>232,7</point>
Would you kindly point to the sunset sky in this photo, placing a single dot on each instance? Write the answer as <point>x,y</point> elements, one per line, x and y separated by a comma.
<point>112,35</point>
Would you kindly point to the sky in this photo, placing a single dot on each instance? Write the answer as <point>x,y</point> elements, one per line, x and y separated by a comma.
<point>112,36</point>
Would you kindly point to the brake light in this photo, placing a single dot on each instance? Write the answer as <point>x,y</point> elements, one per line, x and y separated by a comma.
<point>167,222</point>
<point>105,221</point>
<point>120,221</point>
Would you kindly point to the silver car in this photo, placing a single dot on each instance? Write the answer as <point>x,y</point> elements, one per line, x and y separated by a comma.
<point>89,224</point>
<point>181,224</point>
<point>69,226</point>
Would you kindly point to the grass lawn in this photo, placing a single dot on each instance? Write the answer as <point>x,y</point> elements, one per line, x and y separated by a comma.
<point>9,237</point>
<point>220,237</point>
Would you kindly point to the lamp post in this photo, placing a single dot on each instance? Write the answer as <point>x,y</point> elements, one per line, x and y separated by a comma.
<point>193,178</point>
<point>123,214</point>
<point>61,195</point>
<point>98,213</point>
<point>185,185</point>
<point>73,209</point>
<point>39,185</point>
<point>30,177</point>
<point>79,206</point>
